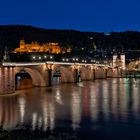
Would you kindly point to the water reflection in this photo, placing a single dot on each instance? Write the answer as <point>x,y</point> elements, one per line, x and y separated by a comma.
<point>69,105</point>
<point>58,97</point>
<point>9,115</point>
<point>22,103</point>
<point>34,121</point>
<point>76,109</point>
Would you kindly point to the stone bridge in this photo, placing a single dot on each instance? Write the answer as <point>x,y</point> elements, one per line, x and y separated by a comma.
<point>42,73</point>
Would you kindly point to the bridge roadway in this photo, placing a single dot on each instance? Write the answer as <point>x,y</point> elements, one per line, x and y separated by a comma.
<point>42,73</point>
<point>50,62</point>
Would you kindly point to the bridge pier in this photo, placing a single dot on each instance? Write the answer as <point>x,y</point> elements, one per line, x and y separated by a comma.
<point>49,77</point>
<point>7,80</point>
<point>106,71</point>
<point>94,75</point>
<point>49,74</point>
<point>76,73</point>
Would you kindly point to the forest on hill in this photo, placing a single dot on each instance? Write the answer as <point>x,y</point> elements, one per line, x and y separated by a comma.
<point>10,35</point>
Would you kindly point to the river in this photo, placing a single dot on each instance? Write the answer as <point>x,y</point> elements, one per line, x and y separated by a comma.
<point>104,109</point>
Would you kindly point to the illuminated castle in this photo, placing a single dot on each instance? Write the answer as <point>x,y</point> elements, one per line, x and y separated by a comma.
<point>35,47</point>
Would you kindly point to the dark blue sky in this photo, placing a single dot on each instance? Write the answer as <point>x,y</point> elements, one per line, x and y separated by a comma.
<point>83,15</point>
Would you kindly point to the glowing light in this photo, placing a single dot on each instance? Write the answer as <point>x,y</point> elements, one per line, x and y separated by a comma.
<point>34,57</point>
<point>58,97</point>
<point>36,47</point>
<point>73,59</point>
<point>51,57</point>
<point>63,59</point>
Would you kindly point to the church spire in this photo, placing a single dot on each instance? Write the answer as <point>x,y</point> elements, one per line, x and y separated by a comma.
<point>6,55</point>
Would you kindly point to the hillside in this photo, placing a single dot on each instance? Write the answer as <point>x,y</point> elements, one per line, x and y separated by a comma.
<point>10,36</point>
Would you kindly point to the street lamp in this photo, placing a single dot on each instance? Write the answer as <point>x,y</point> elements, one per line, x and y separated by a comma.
<point>73,59</point>
<point>77,59</point>
<point>51,58</point>
<point>63,59</point>
<point>39,57</point>
<point>45,56</point>
<point>33,57</point>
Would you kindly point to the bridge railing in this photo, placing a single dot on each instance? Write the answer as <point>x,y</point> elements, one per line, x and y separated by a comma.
<point>50,62</point>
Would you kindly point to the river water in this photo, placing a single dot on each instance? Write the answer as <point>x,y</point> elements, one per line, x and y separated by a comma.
<point>104,109</point>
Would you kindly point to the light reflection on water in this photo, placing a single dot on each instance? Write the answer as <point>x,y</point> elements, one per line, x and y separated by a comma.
<point>100,105</point>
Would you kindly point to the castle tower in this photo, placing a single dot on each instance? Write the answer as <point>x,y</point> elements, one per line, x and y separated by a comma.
<point>22,44</point>
<point>122,57</point>
<point>114,60</point>
<point>6,57</point>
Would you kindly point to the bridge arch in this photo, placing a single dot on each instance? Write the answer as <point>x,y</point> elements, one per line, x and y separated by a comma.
<point>67,73</point>
<point>36,76</point>
<point>100,72</point>
<point>86,73</point>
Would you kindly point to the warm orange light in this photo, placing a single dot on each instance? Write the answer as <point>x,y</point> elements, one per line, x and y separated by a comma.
<point>36,47</point>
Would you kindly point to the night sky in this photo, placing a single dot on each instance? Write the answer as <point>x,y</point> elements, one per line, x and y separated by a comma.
<point>83,15</point>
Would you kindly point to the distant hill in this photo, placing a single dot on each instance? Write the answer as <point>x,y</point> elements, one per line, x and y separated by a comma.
<point>10,36</point>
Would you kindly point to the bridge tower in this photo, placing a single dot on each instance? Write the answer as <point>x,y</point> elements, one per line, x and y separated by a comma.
<point>122,57</point>
<point>119,61</point>
<point>118,64</point>
<point>115,56</point>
